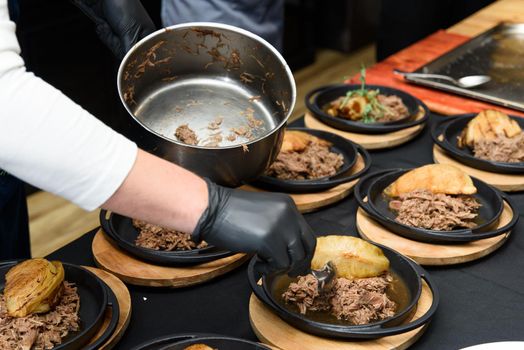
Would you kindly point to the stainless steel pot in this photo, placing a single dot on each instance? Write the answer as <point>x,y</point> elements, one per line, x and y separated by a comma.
<point>197,73</point>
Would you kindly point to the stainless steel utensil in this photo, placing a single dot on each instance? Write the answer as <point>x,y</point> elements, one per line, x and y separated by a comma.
<point>325,276</point>
<point>498,53</point>
<point>201,73</point>
<point>466,82</point>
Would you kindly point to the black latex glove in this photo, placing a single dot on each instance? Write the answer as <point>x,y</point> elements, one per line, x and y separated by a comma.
<point>119,23</point>
<point>268,224</point>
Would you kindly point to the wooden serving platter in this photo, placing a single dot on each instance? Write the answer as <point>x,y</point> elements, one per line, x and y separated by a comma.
<point>124,303</point>
<point>308,202</point>
<point>370,141</point>
<point>272,330</point>
<point>417,55</point>
<point>504,182</point>
<point>137,272</point>
<point>433,254</point>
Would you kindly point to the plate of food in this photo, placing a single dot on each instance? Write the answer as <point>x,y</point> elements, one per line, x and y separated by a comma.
<point>373,295</point>
<point>435,203</point>
<point>156,244</point>
<point>490,140</point>
<point>200,341</point>
<point>366,109</point>
<point>312,161</point>
<point>52,305</point>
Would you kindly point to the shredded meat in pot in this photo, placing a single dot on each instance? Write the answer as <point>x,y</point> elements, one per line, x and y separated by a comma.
<point>158,238</point>
<point>435,211</point>
<point>186,135</point>
<point>358,301</point>
<point>314,162</point>
<point>41,331</point>
<point>501,149</point>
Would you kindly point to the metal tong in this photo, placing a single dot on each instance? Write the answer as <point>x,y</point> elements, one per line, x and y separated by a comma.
<point>325,276</point>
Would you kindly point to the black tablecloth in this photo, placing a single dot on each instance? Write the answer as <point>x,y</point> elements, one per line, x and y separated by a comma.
<point>482,301</point>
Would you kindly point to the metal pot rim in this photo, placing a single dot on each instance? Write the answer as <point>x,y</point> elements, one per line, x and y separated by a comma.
<point>218,26</point>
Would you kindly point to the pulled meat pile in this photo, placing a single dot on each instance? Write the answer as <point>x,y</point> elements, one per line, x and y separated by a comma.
<point>501,149</point>
<point>41,331</point>
<point>394,108</point>
<point>158,238</point>
<point>186,135</point>
<point>371,108</point>
<point>314,162</point>
<point>435,211</point>
<point>358,301</point>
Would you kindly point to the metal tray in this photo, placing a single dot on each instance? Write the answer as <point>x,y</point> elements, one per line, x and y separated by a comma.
<point>498,53</point>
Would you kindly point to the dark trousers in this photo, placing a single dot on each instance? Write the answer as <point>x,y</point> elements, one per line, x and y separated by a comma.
<point>14,222</point>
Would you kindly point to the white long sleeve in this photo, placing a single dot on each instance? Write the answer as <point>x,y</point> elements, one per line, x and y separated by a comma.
<point>49,141</point>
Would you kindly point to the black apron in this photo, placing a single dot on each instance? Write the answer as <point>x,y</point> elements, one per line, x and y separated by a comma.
<point>14,222</point>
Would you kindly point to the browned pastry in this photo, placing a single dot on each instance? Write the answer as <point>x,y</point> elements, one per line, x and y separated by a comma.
<point>434,178</point>
<point>33,286</point>
<point>488,125</point>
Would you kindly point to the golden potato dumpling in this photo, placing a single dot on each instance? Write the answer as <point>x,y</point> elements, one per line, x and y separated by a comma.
<point>33,286</point>
<point>353,257</point>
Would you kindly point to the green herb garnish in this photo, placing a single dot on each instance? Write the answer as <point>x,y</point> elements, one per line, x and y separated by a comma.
<point>374,109</point>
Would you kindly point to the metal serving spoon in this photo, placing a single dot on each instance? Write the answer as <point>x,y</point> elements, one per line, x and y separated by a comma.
<point>466,82</point>
<point>325,276</point>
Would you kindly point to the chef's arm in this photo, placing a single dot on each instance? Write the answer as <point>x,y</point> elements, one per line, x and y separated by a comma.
<point>52,143</point>
<point>160,192</point>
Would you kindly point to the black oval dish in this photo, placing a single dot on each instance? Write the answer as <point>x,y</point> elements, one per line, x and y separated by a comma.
<point>182,341</point>
<point>121,230</point>
<point>450,130</point>
<point>94,301</point>
<point>113,322</point>
<point>411,273</point>
<point>326,94</point>
<point>347,148</point>
<point>377,206</point>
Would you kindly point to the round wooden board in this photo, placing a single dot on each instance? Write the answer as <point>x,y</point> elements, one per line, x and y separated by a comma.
<point>134,271</point>
<point>308,202</point>
<point>504,182</point>
<point>370,141</point>
<point>432,254</point>
<point>272,330</point>
<point>124,303</point>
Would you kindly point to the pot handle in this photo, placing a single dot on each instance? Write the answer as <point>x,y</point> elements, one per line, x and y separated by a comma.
<point>104,222</point>
<point>508,226</point>
<point>367,164</point>
<point>254,276</point>
<point>363,187</point>
<point>436,130</point>
<point>310,106</point>
<point>115,312</point>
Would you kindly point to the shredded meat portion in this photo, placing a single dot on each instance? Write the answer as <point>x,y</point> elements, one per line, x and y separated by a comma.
<point>387,109</point>
<point>314,162</point>
<point>186,135</point>
<point>435,211</point>
<point>359,301</point>
<point>41,331</point>
<point>158,238</point>
<point>501,149</point>
<point>304,294</point>
<point>394,109</point>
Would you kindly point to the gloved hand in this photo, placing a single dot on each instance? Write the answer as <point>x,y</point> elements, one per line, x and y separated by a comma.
<point>268,224</point>
<point>119,23</point>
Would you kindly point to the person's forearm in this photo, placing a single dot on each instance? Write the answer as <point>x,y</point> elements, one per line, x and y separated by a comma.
<point>162,193</point>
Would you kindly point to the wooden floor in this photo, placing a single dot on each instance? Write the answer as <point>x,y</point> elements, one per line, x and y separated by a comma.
<point>54,221</point>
